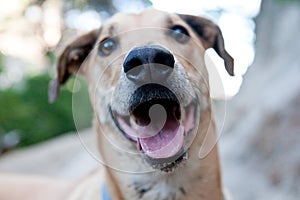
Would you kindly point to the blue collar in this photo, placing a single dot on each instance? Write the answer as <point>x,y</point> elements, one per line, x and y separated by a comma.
<point>104,193</point>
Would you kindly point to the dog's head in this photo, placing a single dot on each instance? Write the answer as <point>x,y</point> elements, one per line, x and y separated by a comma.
<point>147,81</point>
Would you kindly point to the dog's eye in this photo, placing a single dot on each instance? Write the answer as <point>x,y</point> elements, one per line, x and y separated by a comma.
<point>107,46</point>
<point>180,34</point>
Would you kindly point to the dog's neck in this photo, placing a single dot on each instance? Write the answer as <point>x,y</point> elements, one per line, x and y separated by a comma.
<point>190,182</point>
<point>194,179</point>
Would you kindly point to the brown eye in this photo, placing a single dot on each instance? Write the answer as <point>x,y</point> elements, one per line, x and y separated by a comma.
<point>180,34</point>
<point>107,46</point>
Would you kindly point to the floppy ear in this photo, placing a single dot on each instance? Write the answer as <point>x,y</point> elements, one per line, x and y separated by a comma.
<point>70,61</point>
<point>211,37</point>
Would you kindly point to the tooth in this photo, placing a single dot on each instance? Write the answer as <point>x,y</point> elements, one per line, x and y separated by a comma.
<point>185,156</point>
<point>133,123</point>
<point>183,114</point>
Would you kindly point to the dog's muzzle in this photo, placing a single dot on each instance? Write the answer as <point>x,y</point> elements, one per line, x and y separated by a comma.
<point>157,122</point>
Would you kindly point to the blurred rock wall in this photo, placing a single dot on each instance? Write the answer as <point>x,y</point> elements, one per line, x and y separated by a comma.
<point>261,142</point>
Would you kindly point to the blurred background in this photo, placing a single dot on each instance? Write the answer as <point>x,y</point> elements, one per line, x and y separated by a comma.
<point>260,140</point>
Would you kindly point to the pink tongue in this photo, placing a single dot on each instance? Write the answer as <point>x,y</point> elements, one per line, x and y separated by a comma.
<point>167,143</point>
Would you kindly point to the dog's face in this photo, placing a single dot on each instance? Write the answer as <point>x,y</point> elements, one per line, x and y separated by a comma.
<point>148,82</point>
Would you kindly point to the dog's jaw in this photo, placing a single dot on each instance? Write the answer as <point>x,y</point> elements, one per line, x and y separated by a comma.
<point>169,165</point>
<point>168,153</point>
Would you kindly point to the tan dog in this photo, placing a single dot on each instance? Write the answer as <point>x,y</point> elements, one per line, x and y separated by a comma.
<point>149,88</point>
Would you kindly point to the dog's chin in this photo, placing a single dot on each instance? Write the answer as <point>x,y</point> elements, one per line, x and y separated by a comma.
<point>161,135</point>
<point>167,164</point>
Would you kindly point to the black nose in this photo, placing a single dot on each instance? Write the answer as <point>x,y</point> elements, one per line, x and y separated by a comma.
<point>151,63</point>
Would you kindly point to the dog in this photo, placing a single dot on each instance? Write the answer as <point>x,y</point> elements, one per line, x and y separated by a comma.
<point>149,89</point>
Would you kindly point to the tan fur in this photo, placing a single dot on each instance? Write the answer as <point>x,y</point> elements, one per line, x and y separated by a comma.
<point>194,179</point>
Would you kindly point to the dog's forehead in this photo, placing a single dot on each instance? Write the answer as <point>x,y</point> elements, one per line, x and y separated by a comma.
<point>150,18</point>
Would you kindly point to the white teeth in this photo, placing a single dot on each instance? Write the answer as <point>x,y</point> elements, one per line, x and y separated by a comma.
<point>133,123</point>
<point>185,156</point>
<point>183,114</point>
<point>138,145</point>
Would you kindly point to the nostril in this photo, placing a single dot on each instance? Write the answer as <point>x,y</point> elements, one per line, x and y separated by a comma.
<point>164,58</point>
<point>131,63</point>
<point>135,73</point>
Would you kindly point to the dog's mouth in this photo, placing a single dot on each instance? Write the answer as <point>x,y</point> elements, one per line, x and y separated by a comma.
<point>158,125</point>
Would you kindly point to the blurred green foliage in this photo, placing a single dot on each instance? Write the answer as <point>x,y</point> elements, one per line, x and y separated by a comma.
<point>28,112</point>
